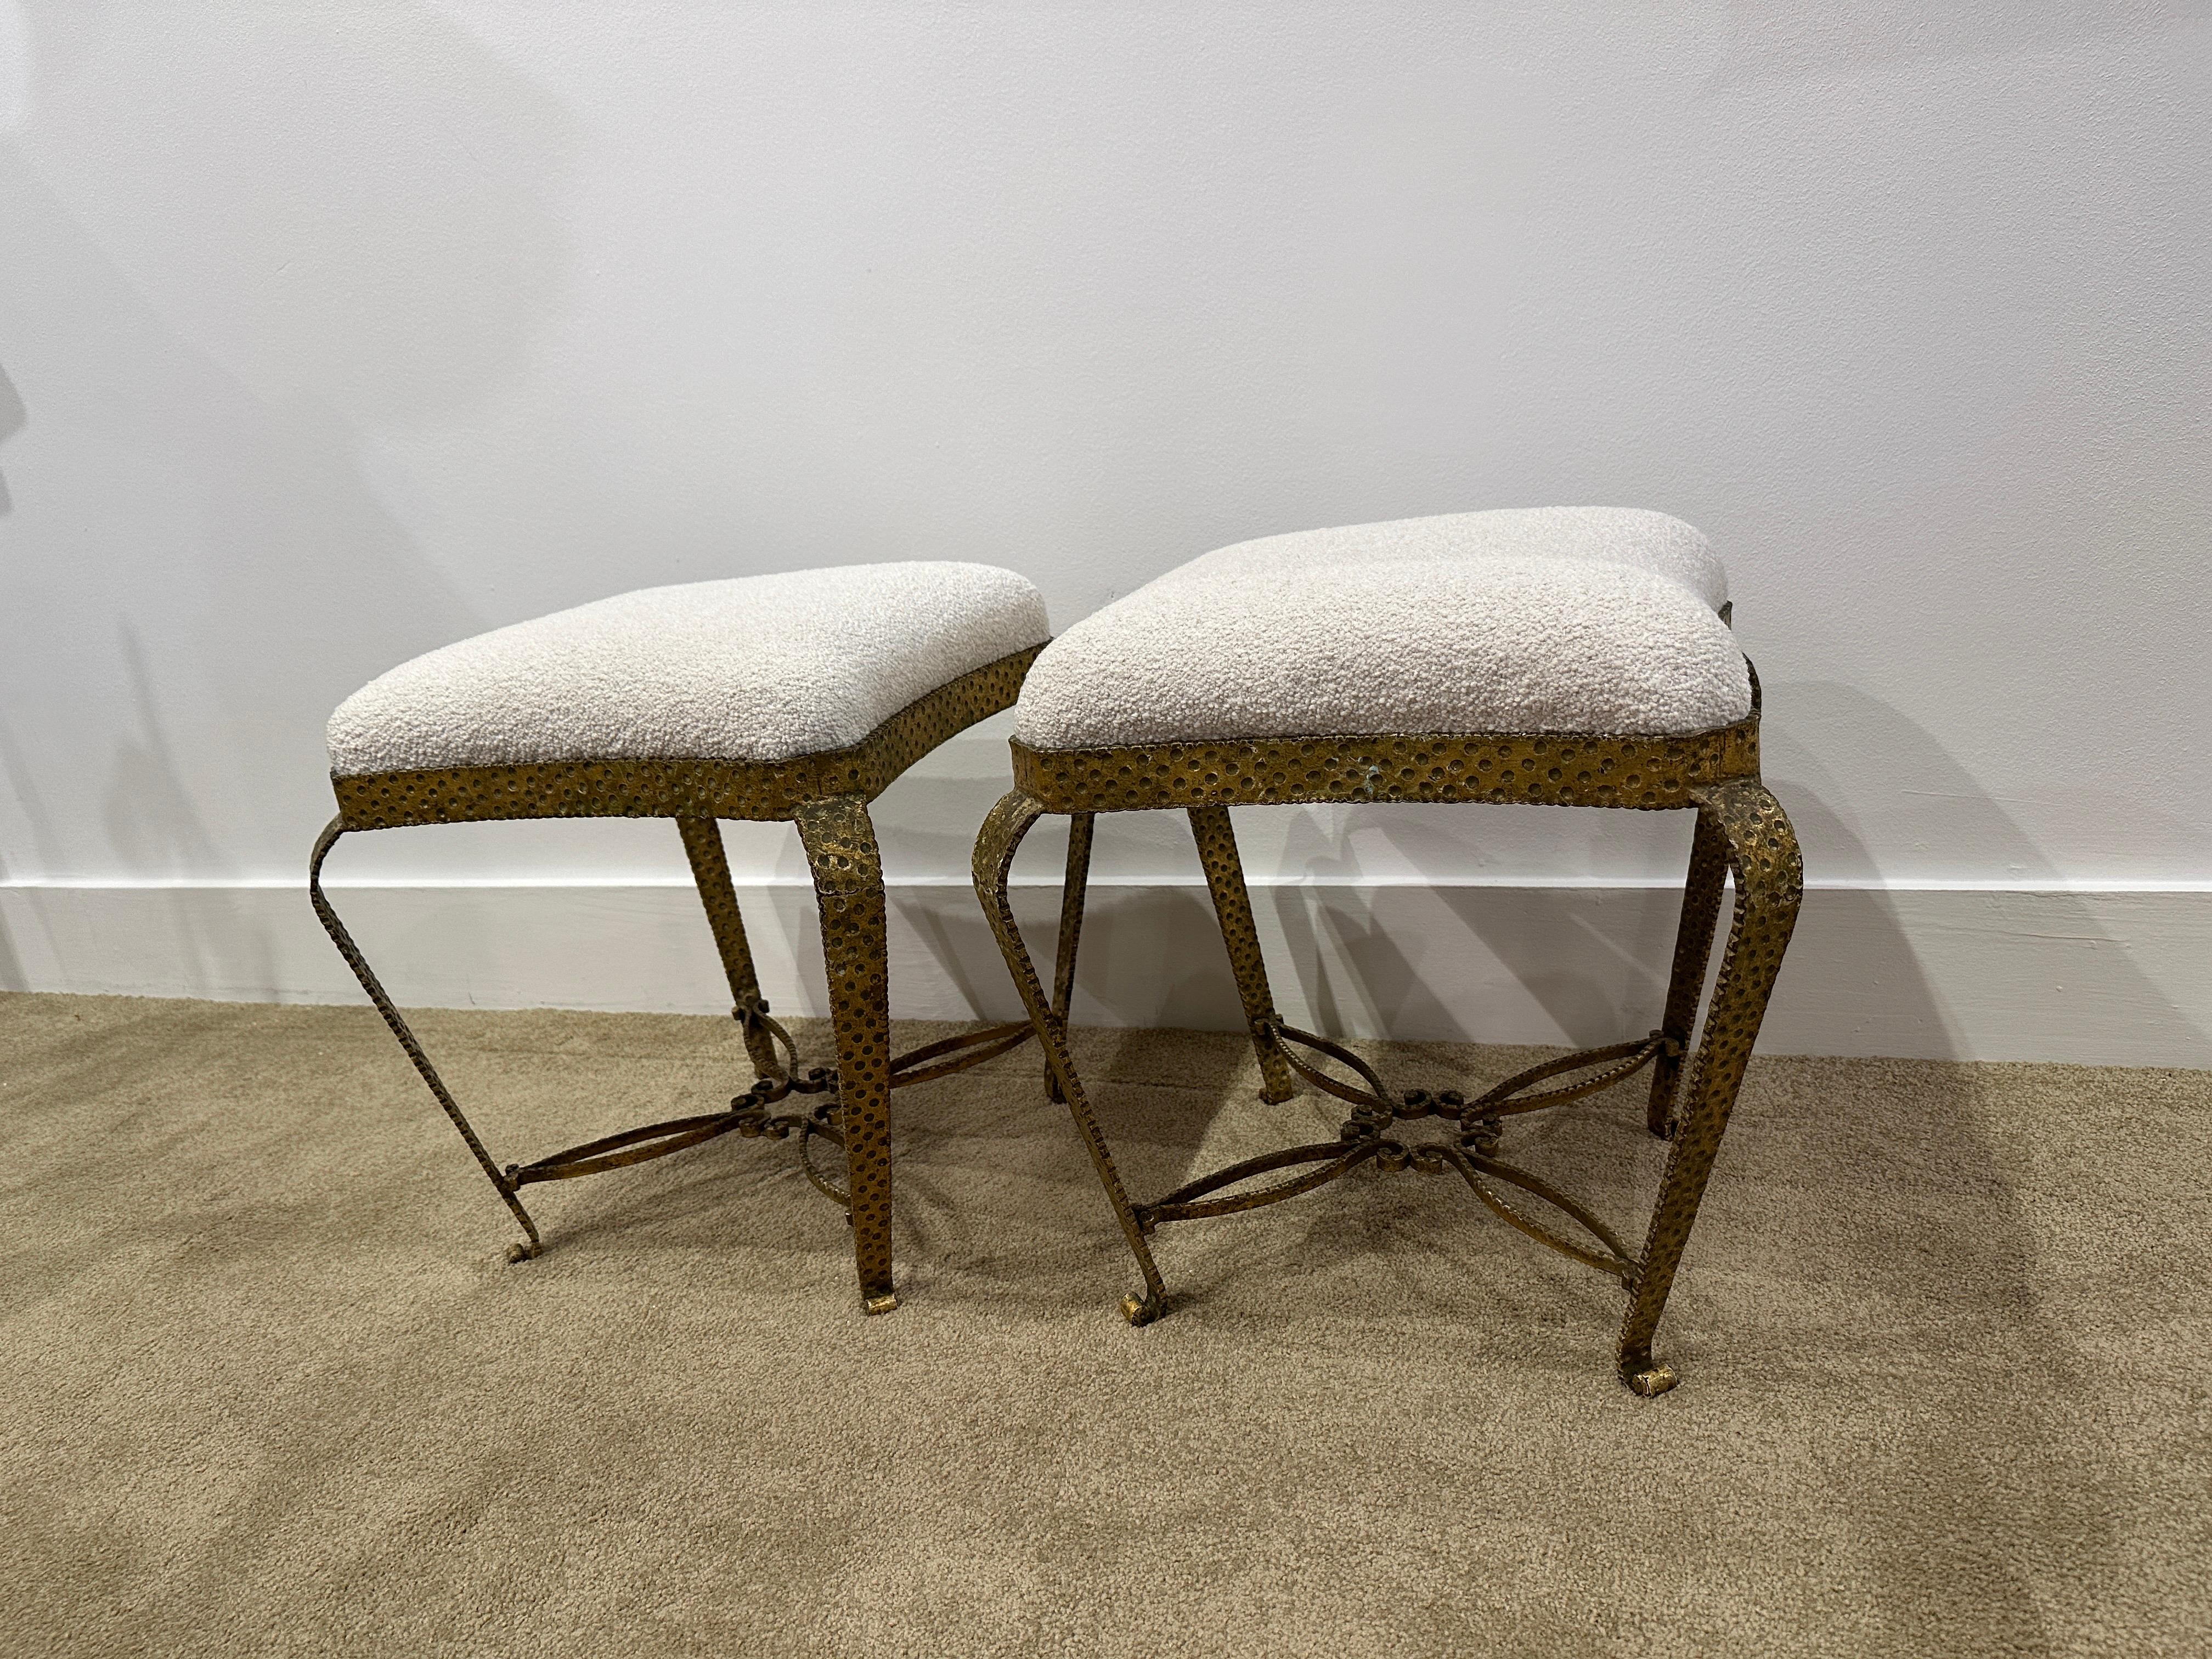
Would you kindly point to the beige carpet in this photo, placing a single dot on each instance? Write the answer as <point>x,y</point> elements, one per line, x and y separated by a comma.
<point>266,1385</point>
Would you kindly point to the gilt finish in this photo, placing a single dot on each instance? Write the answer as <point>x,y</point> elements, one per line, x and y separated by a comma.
<point>683,788</point>
<point>1741,830</point>
<point>1232,907</point>
<point>827,795</point>
<point>1074,889</point>
<point>848,886</point>
<point>710,874</point>
<point>1540,769</point>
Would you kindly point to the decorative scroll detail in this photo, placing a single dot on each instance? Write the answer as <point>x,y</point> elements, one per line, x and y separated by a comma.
<point>826,795</point>
<point>1742,831</point>
<point>751,1115</point>
<point>683,788</point>
<point>1370,1136</point>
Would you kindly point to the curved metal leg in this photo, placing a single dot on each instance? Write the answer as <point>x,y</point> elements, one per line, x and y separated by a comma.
<point>1693,949</point>
<point>1010,820</point>
<point>1072,894</point>
<point>848,883</point>
<point>710,870</point>
<point>359,963</point>
<point>1762,853</point>
<point>1232,907</point>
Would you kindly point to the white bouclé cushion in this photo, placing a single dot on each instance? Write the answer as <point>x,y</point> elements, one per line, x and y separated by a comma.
<point>1544,619</point>
<point>757,668</point>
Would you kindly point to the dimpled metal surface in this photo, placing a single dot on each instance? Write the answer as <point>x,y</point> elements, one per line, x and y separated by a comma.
<point>1770,881</point>
<point>848,883</point>
<point>1741,829</point>
<point>1232,909</point>
<point>710,874</point>
<point>827,795</point>
<point>996,843</point>
<point>1693,946</point>
<point>678,788</point>
<point>1548,768</point>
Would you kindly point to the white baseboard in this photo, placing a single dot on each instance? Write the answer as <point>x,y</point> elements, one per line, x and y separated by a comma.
<point>2107,976</point>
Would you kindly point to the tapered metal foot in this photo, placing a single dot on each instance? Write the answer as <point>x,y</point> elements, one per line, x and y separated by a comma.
<point>1010,820</point>
<point>848,890</point>
<point>1143,1310</point>
<point>1761,849</point>
<point>1647,1376</point>
<point>501,1182</point>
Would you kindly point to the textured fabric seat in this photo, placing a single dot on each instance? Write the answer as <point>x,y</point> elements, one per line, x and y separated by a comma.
<point>758,668</point>
<point>1546,619</point>
<point>796,698</point>
<point>1549,657</point>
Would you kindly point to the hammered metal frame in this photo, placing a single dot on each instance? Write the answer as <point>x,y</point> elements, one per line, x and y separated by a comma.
<point>1742,831</point>
<point>826,796</point>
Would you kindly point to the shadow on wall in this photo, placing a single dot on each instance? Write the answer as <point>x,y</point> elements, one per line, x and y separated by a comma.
<point>1348,941</point>
<point>154,824</point>
<point>1593,961</point>
<point>1949,1271</point>
<point>250,253</point>
<point>1889,990</point>
<point>12,418</point>
<point>1143,950</point>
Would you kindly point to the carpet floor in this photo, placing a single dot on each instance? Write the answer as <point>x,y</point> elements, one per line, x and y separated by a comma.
<point>268,1385</point>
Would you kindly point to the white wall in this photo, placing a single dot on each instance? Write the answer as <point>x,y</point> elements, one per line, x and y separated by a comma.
<point>333,331</point>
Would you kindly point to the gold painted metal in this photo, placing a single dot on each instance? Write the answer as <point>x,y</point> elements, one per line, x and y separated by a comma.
<point>1232,909</point>
<point>1693,946</point>
<point>1742,831</point>
<point>1012,819</point>
<point>1073,893</point>
<point>1369,1137</point>
<point>1538,768</point>
<point>710,874</point>
<point>826,796</point>
<point>770,790</point>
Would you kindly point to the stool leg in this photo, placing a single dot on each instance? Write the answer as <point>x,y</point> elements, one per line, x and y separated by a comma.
<point>1072,894</point>
<point>1232,907</point>
<point>1001,836</point>
<point>1762,853</point>
<point>1693,949</point>
<point>849,884</point>
<point>710,870</point>
<point>359,963</point>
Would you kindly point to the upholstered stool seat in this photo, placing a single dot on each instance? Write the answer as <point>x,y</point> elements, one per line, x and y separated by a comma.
<point>1557,656</point>
<point>757,668</point>
<point>798,696</point>
<point>1553,619</point>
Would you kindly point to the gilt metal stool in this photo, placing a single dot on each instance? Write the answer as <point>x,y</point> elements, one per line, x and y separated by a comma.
<point>1559,656</point>
<point>798,697</point>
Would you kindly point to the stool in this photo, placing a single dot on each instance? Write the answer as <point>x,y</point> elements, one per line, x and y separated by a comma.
<point>1559,656</point>
<point>798,696</point>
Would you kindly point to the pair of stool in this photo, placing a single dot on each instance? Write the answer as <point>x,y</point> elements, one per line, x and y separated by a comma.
<point>1554,656</point>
